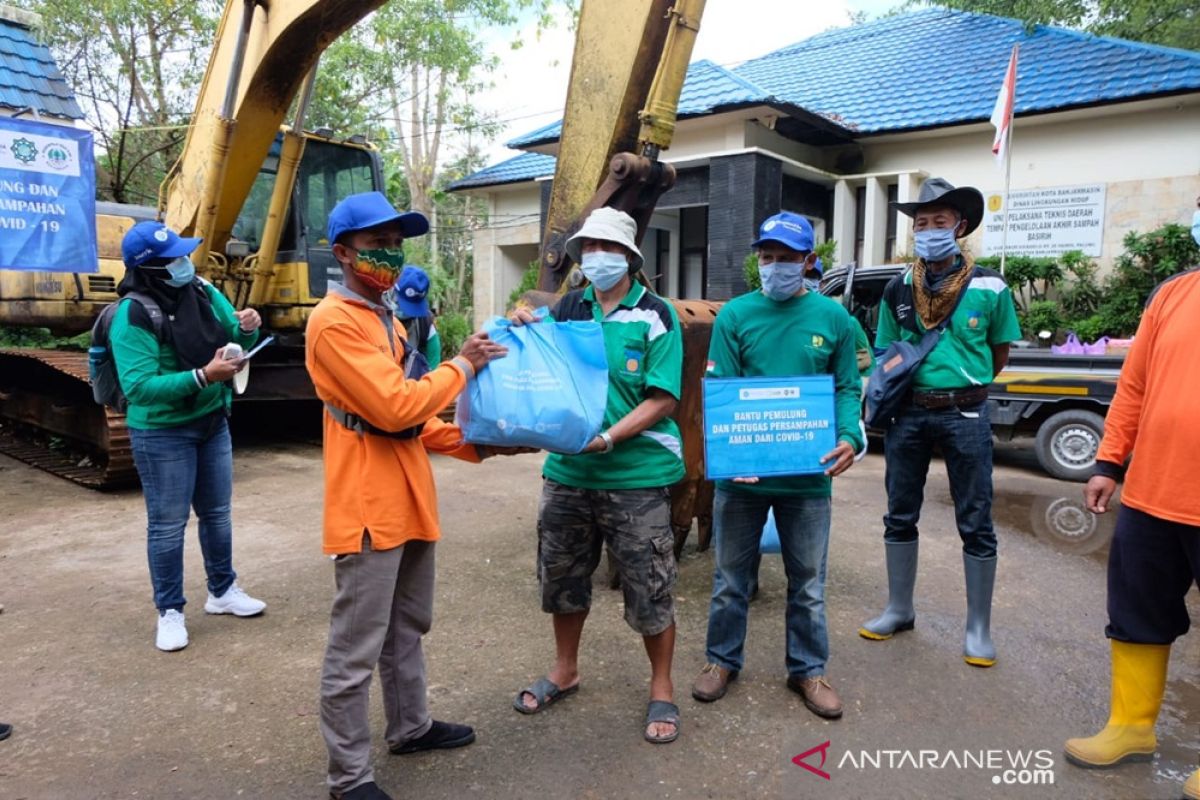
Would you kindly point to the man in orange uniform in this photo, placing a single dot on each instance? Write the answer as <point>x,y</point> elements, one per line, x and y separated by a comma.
<point>380,504</point>
<point>1155,555</point>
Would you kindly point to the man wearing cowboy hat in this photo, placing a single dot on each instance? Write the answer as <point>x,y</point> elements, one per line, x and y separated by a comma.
<point>616,491</point>
<point>948,408</point>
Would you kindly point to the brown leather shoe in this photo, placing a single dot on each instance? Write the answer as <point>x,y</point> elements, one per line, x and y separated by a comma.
<point>712,682</point>
<point>819,695</point>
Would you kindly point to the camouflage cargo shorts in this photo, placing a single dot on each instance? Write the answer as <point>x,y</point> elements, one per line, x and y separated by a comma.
<point>574,523</point>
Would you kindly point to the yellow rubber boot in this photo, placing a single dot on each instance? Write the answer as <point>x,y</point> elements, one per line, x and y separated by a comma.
<point>1139,677</point>
<point>1191,789</point>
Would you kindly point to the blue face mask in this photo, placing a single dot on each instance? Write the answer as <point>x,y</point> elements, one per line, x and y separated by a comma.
<point>782,279</point>
<point>935,244</point>
<point>1196,227</point>
<point>812,284</point>
<point>182,271</point>
<point>604,270</point>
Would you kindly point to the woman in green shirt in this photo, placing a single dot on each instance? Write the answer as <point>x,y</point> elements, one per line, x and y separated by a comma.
<point>167,341</point>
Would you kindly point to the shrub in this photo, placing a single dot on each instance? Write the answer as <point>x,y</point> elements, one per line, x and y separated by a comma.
<point>453,329</point>
<point>1043,315</point>
<point>529,282</point>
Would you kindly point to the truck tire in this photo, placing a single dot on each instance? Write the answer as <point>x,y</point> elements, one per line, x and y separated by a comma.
<point>1067,443</point>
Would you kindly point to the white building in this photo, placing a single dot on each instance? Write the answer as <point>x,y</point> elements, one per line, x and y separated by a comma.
<point>1106,141</point>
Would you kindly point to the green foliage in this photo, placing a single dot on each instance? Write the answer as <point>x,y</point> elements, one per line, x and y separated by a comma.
<point>1031,279</point>
<point>1063,294</point>
<point>529,282</point>
<point>134,66</point>
<point>453,328</point>
<point>750,272</point>
<point>1149,259</point>
<point>41,338</point>
<point>1082,295</point>
<point>1043,315</point>
<point>1175,23</point>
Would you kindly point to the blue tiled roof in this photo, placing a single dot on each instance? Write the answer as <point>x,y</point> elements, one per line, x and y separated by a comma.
<point>29,76</point>
<point>707,88</point>
<point>524,167</point>
<point>939,67</point>
<point>923,69</point>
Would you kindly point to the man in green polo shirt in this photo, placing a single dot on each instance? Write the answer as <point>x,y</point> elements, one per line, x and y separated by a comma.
<point>616,490</point>
<point>948,408</point>
<point>785,329</point>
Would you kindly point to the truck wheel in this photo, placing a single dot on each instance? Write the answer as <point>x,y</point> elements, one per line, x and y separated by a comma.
<point>1067,444</point>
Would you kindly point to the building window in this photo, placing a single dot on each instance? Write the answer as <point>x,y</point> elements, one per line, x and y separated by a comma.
<point>860,223</point>
<point>889,247</point>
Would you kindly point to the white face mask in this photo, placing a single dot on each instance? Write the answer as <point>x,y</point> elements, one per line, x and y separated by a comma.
<point>603,269</point>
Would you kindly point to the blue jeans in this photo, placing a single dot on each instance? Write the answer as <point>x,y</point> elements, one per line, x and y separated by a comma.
<point>965,439</point>
<point>188,466</point>
<point>803,522</point>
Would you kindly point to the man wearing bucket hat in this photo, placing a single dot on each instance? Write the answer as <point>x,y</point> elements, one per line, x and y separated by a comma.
<point>410,298</point>
<point>167,337</point>
<point>948,408</point>
<point>746,341</point>
<point>381,520</point>
<point>616,490</point>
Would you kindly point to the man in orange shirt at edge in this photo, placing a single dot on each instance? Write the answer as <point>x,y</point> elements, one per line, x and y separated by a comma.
<point>380,423</point>
<point>1154,558</point>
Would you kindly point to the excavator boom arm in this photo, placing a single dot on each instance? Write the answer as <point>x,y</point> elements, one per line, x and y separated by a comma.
<point>243,100</point>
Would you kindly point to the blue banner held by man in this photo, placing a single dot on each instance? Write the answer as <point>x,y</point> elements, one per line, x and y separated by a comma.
<point>47,198</point>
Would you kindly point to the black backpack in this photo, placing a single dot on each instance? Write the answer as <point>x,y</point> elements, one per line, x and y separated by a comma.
<point>102,369</point>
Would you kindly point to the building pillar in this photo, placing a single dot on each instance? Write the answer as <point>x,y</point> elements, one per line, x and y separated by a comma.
<point>907,189</point>
<point>484,280</point>
<point>875,224</point>
<point>843,222</point>
<point>743,190</point>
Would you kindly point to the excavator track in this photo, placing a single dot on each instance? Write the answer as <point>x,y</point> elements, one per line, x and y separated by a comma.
<point>48,419</point>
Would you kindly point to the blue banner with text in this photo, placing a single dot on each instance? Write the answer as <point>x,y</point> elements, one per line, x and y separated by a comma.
<point>763,427</point>
<point>47,198</point>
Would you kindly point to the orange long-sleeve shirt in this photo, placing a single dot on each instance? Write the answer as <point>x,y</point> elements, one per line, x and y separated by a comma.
<point>1153,415</point>
<point>377,483</point>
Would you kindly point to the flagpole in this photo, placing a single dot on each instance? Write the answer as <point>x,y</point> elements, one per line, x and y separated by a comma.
<point>1012,119</point>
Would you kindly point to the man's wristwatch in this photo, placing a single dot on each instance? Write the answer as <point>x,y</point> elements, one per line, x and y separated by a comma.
<point>608,442</point>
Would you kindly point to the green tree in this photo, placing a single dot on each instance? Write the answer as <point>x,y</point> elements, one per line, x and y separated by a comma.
<point>410,77</point>
<point>133,65</point>
<point>1174,23</point>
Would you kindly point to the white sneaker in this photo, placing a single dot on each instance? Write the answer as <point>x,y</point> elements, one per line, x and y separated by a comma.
<point>172,633</point>
<point>235,602</point>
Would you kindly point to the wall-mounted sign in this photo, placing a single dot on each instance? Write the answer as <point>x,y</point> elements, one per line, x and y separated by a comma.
<point>1045,222</point>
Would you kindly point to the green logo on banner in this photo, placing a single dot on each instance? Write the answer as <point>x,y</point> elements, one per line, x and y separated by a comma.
<point>24,150</point>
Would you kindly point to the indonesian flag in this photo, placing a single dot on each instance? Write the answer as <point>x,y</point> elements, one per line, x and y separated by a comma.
<point>1002,114</point>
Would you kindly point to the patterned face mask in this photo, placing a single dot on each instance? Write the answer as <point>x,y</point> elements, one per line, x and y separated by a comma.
<point>380,268</point>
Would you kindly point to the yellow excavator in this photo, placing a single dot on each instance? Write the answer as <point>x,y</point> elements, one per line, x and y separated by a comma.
<point>258,191</point>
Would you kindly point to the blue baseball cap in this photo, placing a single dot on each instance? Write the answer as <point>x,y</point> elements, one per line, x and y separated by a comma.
<point>368,209</point>
<point>411,289</point>
<point>150,240</point>
<point>788,229</point>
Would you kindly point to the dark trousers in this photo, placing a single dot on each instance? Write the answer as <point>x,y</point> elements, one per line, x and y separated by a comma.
<point>964,436</point>
<point>1152,565</point>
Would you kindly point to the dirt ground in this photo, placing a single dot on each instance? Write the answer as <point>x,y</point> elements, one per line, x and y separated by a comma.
<point>100,713</point>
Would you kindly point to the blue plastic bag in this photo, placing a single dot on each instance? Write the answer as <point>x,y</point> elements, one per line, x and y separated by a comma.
<point>549,392</point>
<point>769,543</point>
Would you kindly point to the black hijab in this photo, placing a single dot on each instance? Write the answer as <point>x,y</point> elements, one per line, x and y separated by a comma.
<point>190,325</point>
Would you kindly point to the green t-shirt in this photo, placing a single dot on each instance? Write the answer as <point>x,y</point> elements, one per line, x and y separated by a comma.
<point>644,346</point>
<point>804,335</point>
<point>861,342</point>
<point>962,357</point>
<point>160,394</point>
